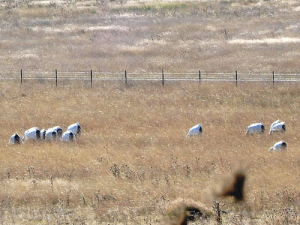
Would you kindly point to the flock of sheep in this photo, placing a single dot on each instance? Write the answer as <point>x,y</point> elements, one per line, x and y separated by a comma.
<point>56,133</point>
<point>255,128</point>
<point>51,134</point>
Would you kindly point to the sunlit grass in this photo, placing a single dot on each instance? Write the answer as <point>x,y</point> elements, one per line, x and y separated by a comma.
<point>133,151</point>
<point>133,158</point>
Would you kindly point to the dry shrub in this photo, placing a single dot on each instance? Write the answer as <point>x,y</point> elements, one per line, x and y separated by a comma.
<point>182,210</point>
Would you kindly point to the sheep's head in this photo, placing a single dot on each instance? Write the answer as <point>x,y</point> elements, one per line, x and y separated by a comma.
<point>59,132</point>
<point>71,137</point>
<point>283,145</point>
<point>262,128</point>
<point>79,129</point>
<point>54,135</point>
<point>17,139</point>
<point>38,134</point>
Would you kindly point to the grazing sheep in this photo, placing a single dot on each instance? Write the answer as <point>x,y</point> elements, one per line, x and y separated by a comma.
<point>68,136</point>
<point>43,134</point>
<point>277,126</point>
<point>58,130</point>
<point>277,121</point>
<point>195,130</point>
<point>255,128</point>
<point>32,134</point>
<point>75,128</point>
<point>279,146</point>
<point>51,135</point>
<point>15,139</point>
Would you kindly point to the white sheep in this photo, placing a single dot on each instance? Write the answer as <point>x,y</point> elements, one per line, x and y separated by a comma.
<point>75,128</point>
<point>195,130</point>
<point>32,134</point>
<point>58,130</point>
<point>255,128</point>
<point>279,146</point>
<point>51,135</point>
<point>277,121</point>
<point>277,126</point>
<point>68,136</point>
<point>15,139</point>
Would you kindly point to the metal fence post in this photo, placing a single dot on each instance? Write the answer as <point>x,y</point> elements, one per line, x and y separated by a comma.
<point>21,76</point>
<point>91,78</point>
<point>199,76</point>
<point>56,77</point>
<point>236,78</point>
<point>273,77</point>
<point>162,77</point>
<point>125,77</point>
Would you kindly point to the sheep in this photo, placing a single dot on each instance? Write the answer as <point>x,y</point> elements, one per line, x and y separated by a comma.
<point>51,135</point>
<point>277,121</point>
<point>279,146</point>
<point>15,139</point>
<point>195,130</point>
<point>75,128</point>
<point>255,128</point>
<point>32,134</point>
<point>68,136</point>
<point>277,126</point>
<point>58,130</point>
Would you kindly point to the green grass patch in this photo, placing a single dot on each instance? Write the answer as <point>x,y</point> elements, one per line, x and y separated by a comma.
<point>153,7</point>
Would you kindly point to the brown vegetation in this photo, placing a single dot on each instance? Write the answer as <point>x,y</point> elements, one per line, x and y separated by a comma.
<point>181,211</point>
<point>218,36</point>
<point>133,158</point>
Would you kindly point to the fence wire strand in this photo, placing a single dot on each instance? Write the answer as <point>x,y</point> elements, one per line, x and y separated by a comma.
<point>150,76</point>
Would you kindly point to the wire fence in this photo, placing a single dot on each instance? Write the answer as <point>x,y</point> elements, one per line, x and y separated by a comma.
<point>162,76</point>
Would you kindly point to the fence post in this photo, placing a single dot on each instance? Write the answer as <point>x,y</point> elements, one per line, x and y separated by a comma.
<point>56,77</point>
<point>91,78</point>
<point>199,76</point>
<point>125,77</point>
<point>162,77</point>
<point>21,76</point>
<point>236,78</point>
<point>273,77</point>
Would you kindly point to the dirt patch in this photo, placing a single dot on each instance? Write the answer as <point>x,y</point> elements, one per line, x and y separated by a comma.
<point>75,28</point>
<point>281,40</point>
<point>26,54</point>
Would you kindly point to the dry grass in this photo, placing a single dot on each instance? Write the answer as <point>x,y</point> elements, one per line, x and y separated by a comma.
<point>133,158</point>
<point>181,211</point>
<point>219,36</point>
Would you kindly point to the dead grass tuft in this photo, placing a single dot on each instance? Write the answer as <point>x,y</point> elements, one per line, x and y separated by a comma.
<point>180,211</point>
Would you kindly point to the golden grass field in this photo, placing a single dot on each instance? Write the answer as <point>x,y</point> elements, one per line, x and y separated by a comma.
<point>133,158</point>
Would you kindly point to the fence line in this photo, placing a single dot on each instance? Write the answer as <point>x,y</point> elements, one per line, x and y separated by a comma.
<point>163,76</point>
